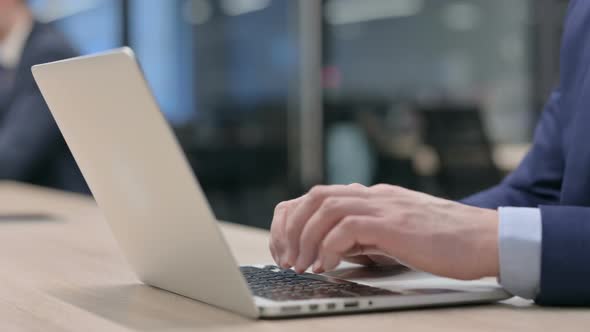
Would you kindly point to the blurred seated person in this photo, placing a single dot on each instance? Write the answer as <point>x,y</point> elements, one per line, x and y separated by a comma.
<point>31,146</point>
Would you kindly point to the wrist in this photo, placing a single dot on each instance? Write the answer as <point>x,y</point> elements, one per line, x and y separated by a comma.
<point>487,244</point>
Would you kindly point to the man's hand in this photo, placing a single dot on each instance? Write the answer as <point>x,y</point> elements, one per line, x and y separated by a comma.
<point>354,222</point>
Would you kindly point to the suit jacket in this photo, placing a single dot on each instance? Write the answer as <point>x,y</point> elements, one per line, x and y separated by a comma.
<point>31,146</point>
<point>555,175</point>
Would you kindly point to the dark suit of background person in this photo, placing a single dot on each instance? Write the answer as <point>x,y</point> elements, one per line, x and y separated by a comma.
<point>555,175</point>
<point>31,146</point>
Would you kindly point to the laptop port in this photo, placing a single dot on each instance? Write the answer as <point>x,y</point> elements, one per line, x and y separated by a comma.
<point>331,306</point>
<point>348,305</point>
<point>313,307</point>
<point>291,309</point>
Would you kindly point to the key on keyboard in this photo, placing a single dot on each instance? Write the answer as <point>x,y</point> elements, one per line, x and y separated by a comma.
<point>286,285</point>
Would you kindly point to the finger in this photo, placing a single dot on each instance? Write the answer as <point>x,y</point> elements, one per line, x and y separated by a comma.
<point>277,229</point>
<point>306,208</point>
<point>367,251</point>
<point>273,252</point>
<point>364,256</point>
<point>381,259</point>
<point>352,234</point>
<point>330,213</point>
<point>274,231</point>
<point>359,259</point>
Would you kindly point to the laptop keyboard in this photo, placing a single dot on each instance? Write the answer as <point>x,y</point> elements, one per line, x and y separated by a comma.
<point>285,285</point>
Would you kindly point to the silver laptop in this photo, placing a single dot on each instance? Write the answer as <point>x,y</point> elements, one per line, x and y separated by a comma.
<point>161,219</point>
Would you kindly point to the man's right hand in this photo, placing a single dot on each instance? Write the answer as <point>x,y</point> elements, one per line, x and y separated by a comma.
<point>332,223</point>
<point>280,214</point>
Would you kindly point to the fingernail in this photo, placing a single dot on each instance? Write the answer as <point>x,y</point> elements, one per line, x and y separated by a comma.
<point>317,267</point>
<point>302,264</point>
<point>331,263</point>
<point>290,260</point>
<point>284,263</point>
<point>298,268</point>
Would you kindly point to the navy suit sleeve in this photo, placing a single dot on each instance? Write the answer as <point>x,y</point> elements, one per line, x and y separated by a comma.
<point>538,181</point>
<point>538,178</point>
<point>565,268</point>
<point>28,133</point>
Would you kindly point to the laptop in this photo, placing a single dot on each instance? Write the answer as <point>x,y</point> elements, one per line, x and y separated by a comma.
<point>161,219</point>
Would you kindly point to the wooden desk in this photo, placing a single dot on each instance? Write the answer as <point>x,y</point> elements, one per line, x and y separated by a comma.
<point>66,274</point>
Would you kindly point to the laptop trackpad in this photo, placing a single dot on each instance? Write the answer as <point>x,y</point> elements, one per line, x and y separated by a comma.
<point>402,279</point>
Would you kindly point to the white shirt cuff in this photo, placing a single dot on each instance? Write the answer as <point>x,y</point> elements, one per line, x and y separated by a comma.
<point>519,247</point>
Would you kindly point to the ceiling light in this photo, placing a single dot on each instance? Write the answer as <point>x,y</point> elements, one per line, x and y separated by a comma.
<point>241,7</point>
<point>354,11</point>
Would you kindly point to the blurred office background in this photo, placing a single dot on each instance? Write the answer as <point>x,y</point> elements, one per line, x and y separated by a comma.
<point>269,97</point>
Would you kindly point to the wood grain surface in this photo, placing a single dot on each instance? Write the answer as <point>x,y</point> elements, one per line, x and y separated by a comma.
<point>62,271</point>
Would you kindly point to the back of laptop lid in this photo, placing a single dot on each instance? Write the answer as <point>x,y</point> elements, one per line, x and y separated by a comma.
<point>141,179</point>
